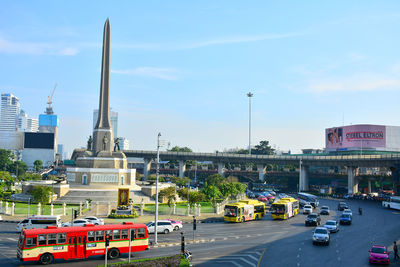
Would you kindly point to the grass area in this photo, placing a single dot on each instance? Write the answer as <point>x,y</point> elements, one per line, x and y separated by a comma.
<point>206,207</point>
<point>23,208</point>
<point>172,261</point>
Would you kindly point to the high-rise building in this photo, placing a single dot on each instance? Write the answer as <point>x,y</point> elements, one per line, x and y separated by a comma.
<point>113,119</point>
<point>9,112</point>
<point>124,143</point>
<point>26,124</point>
<point>60,151</point>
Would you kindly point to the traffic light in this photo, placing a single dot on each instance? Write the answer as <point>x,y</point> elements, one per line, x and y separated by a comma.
<point>107,240</point>
<point>194,223</point>
<point>75,214</point>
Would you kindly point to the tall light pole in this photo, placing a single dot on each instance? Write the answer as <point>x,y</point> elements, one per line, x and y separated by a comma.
<point>250,95</point>
<point>157,175</point>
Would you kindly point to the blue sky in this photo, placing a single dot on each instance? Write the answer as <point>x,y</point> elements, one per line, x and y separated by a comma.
<point>183,68</point>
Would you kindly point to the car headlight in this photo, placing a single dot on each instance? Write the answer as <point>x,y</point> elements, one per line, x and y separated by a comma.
<point>314,238</point>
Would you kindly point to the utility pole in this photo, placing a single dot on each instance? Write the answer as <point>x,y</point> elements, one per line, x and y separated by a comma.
<point>157,175</point>
<point>250,95</point>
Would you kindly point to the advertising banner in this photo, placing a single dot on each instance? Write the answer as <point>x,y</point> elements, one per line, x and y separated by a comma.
<point>355,136</point>
<point>123,196</point>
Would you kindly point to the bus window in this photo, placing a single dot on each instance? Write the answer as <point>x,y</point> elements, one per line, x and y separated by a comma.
<point>259,208</point>
<point>42,239</point>
<point>90,235</point>
<point>62,238</point>
<point>133,234</point>
<point>141,233</point>
<point>117,234</point>
<point>99,235</point>
<point>52,239</point>
<point>124,234</point>
<point>109,233</point>
<point>30,242</point>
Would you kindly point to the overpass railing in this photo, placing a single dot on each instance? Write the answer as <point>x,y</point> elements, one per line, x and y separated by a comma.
<point>152,154</point>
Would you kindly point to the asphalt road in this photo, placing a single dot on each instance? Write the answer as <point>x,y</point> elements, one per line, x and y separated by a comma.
<point>262,243</point>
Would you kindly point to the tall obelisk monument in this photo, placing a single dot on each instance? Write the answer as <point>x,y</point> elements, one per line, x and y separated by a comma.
<point>102,134</point>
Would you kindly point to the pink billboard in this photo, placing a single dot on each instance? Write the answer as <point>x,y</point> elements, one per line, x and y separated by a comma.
<point>356,136</point>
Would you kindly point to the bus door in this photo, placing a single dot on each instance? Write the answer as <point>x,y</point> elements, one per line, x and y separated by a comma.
<point>77,246</point>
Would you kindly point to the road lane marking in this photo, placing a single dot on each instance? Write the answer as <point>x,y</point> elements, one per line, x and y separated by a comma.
<point>12,239</point>
<point>233,262</point>
<point>259,260</point>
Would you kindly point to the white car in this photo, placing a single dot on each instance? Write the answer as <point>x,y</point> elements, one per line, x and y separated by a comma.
<point>307,209</point>
<point>332,226</point>
<point>321,235</point>
<point>163,226</point>
<point>94,220</point>
<point>1,218</point>
<point>347,211</point>
<point>77,222</point>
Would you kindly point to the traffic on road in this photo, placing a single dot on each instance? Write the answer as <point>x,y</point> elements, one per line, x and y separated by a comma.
<point>348,238</point>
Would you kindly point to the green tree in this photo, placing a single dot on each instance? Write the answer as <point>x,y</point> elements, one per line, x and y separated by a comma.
<point>211,192</point>
<point>180,149</point>
<point>215,179</point>
<point>180,181</point>
<point>30,176</point>
<point>38,165</point>
<point>41,194</point>
<point>6,159</point>
<point>263,149</point>
<point>22,167</point>
<point>196,197</point>
<point>169,193</point>
<point>6,179</point>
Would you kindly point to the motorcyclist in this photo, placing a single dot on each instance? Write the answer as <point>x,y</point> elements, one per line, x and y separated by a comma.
<point>360,211</point>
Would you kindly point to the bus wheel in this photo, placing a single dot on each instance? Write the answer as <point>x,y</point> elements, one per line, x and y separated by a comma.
<point>257,217</point>
<point>243,219</point>
<point>46,259</point>
<point>113,253</point>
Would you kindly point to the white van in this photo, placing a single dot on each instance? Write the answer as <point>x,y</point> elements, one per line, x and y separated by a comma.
<point>39,222</point>
<point>163,226</point>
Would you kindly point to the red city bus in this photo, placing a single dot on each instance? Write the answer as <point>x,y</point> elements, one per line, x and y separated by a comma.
<point>80,242</point>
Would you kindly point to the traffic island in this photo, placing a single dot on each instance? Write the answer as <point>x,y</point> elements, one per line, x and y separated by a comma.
<point>173,261</point>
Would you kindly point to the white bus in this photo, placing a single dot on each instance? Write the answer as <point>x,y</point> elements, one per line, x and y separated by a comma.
<point>39,222</point>
<point>391,203</point>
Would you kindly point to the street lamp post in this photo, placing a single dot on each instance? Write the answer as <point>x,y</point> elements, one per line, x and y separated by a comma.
<point>250,95</point>
<point>157,175</point>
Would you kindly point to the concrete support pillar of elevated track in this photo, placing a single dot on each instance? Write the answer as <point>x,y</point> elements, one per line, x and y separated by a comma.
<point>261,172</point>
<point>303,177</point>
<point>146,167</point>
<point>352,182</point>
<point>182,168</point>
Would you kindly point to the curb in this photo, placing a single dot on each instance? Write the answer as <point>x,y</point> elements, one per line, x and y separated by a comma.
<point>9,221</point>
<point>179,243</point>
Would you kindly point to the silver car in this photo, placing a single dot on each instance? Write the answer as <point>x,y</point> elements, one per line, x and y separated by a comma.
<point>332,226</point>
<point>321,235</point>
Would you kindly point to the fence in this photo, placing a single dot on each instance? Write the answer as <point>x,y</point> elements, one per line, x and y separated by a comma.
<point>16,208</point>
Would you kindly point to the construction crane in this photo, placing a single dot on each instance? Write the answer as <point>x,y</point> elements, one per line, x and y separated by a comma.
<point>49,109</point>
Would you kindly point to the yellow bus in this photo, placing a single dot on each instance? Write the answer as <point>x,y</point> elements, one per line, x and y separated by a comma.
<point>285,208</point>
<point>244,210</point>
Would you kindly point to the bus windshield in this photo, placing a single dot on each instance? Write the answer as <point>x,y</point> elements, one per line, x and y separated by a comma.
<point>230,211</point>
<point>21,240</point>
<point>278,208</point>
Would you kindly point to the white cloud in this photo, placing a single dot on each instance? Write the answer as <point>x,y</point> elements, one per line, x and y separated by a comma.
<point>357,82</point>
<point>182,45</point>
<point>32,48</point>
<point>170,74</point>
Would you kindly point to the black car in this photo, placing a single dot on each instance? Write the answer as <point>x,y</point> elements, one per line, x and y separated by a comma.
<point>313,219</point>
<point>324,210</point>
<point>342,206</point>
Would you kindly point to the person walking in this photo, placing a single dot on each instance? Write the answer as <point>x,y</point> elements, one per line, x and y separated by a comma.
<point>396,251</point>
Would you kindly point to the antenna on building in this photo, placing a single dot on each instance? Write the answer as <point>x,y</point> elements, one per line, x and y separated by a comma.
<point>49,109</point>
